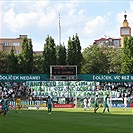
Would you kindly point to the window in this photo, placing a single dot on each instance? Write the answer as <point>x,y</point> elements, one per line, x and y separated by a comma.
<point>17,51</point>
<point>6,43</point>
<point>116,43</point>
<point>16,44</point>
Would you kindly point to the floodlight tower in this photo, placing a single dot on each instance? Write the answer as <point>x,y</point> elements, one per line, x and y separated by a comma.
<point>59,31</point>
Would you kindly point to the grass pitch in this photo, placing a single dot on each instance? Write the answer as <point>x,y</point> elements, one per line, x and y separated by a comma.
<point>73,120</point>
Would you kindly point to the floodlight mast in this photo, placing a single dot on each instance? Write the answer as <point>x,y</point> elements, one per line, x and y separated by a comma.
<point>59,31</point>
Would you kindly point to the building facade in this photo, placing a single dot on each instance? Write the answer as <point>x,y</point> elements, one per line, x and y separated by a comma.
<point>125,30</point>
<point>110,42</point>
<point>16,43</point>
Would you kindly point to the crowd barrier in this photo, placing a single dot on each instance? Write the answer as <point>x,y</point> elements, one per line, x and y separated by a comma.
<point>26,104</point>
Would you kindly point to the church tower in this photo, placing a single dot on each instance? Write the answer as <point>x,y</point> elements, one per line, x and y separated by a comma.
<point>125,30</point>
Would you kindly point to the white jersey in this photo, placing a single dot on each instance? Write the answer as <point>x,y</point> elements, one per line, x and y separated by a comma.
<point>125,101</point>
<point>37,102</point>
<point>85,101</point>
<point>89,101</point>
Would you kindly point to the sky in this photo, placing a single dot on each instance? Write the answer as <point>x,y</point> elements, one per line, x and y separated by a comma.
<point>90,19</point>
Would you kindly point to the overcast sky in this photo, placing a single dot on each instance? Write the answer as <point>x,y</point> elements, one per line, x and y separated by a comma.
<point>90,19</point>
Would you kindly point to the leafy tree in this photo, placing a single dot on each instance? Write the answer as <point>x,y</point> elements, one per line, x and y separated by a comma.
<point>30,51</point>
<point>114,59</point>
<point>61,54</point>
<point>70,53</point>
<point>3,62</point>
<point>49,54</point>
<point>94,61</point>
<point>74,55</point>
<point>12,66</point>
<point>37,63</point>
<point>127,56</point>
<point>26,57</point>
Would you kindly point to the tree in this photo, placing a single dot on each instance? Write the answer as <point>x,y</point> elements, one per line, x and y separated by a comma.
<point>114,59</point>
<point>127,56</point>
<point>37,63</point>
<point>30,52</point>
<point>61,55</point>
<point>70,53</point>
<point>26,57</point>
<point>12,66</point>
<point>94,61</point>
<point>3,62</point>
<point>74,55</point>
<point>49,54</point>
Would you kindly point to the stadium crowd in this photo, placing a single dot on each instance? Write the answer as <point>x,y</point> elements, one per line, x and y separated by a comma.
<point>20,89</point>
<point>121,88</point>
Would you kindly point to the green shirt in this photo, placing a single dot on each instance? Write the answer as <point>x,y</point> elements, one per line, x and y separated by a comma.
<point>105,99</point>
<point>96,100</point>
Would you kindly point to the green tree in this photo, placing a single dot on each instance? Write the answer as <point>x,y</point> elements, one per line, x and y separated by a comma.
<point>26,57</point>
<point>3,62</point>
<point>12,66</point>
<point>30,51</point>
<point>74,55</point>
<point>114,59</point>
<point>49,54</point>
<point>70,52</point>
<point>127,56</point>
<point>61,55</point>
<point>94,61</point>
<point>38,63</point>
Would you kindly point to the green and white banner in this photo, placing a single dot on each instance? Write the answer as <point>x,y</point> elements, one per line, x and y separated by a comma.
<point>83,77</point>
<point>79,89</point>
<point>19,77</point>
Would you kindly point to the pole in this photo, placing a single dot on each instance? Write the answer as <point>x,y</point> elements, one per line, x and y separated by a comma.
<point>59,31</point>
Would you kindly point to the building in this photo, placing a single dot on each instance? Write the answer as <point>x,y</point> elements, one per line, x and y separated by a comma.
<point>16,43</point>
<point>125,30</point>
<point>110,42</point>
<point>38,52</point>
